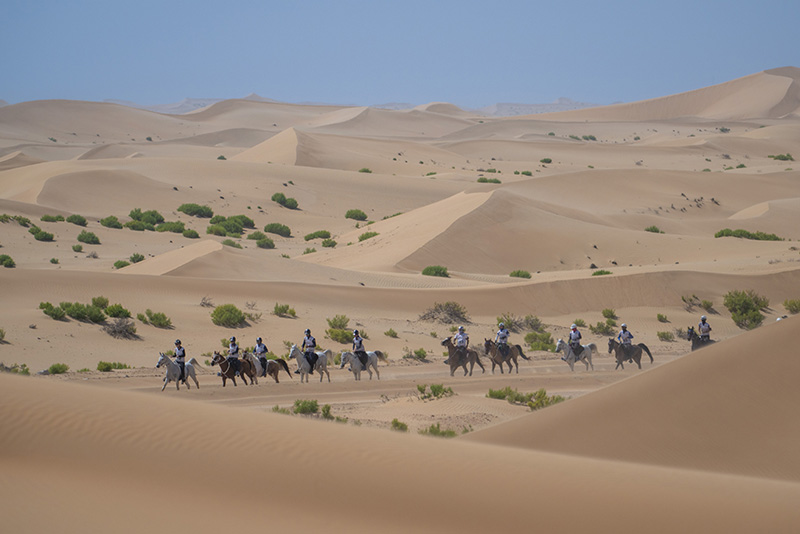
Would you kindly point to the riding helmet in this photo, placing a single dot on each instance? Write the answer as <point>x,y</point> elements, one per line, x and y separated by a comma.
<point>460,328</point>
<point>574,326</point>
<point>623,325</point>
<point>703,318</point>
<point>355,332</point>
<point>502,325</point>
<point>177,341</point>
<point>233,339</point>
<point>308,330</point>
<point>258,340</point>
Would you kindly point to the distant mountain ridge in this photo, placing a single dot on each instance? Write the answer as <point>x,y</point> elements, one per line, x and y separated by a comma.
<point>505,109</point>
<point>187,105</point>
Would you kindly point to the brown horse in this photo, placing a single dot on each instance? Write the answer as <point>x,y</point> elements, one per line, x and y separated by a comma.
<point>697,341</point>
<point>493,351</point>
<point>635,353</point>
<point>273,366</point>
<point>227,371</point>
<point>471,358</point>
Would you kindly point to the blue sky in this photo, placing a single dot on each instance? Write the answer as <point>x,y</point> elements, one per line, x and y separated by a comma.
<point>469,53</point>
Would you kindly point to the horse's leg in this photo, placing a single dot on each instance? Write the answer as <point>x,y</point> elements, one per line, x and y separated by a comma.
<point>166,381</point>
<point>376,371</point>
<point>638,359</point>
<point>327,373</point>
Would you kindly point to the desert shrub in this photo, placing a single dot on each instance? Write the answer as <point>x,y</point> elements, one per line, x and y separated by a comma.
<point>117,311</point>
<point>119,264</point>
<point>191,234</point>
<point>601,329</point>
<point>338,321</point>
<point>231,243</point>
<point>326,412</point>
<point>281,199</point>
<point>579,322</point>
<point>279,229</point>
<point>106,367</point>
<point>58,368</point>
<point>436,270</point>
<point>216,229</point>
<point>111,222</point>
<point>520,274</point>
<point>706,170</point>
<point>151,217</point>
<point>265,242</point>
<point>243,220</point>
<point>741,166</point>
<point>589,138</point>
<point>707,305</point>
<point>95,314</point>
<point>255,236</point>
<point>139,226</point>
<point>157,319</point>
<point>16,369</point>
<point>80,220</point>
<point>88,237</point>
<point>278,409</point>
<point>792,306</point>
<point>221,158</point>
<point>41,235</point>
<point>745,308</point>
<point>547,160</point>
<point>54,312</point>
<point>227,315</point>
<point>136,257</point>
<point>216,219</point>
<point>328,243</point>
<point>176,227</point>
<point>399,426</point>
<point>436,391</point>
<point>436,431</point>
<point>306,406</point>
<point>77,248</point>
<point>355,214</point>
<point>196,210</point>
<point>364,169</point>
<point>283,310</point>
<point>340,336</point>
<point>390,333</point>
<point>542,400</point>
<point>101,302</point>
<point>7,261</point>
<point>526,173</point>
<point>511,395</point>
<point>309,250</point>
<point>419,354</point>
<point>666,336</point>
<point>601,272</point>
<point>446,312</point>
<point>2,335</point>
<point>367,235</point>
<point>654,229</point>
<point>52,218</point>
<point>758,236</point>
<point>782,157</point>
<point>609,313</point>
<point>540,341</point>
<point>319,233</point>
<point>514,323</point>
<point>485,180</point>
<point>142,317</point>
<point>662,318</point>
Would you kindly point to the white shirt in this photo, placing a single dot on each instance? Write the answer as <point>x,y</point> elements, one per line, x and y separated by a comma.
<point>625,337</point>
<point>309,343</point>
<point>180,354</point>
<point>233,351</point>
<point>574,336</point>
<point>461,339</point>
<point>502,335</point>
<point>704,328</point>
<point>358,343</point>
<point>260,349</point>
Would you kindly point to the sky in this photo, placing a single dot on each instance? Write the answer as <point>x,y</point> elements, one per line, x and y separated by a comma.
<point>359,52</point>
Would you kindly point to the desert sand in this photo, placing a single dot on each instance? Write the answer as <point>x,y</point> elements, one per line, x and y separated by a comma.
<point>695,441</point>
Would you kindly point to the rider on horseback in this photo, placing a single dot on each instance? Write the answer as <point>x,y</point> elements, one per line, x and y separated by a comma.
<point>625,337</point>
<point>261,353</point>
<point>704,329</point>
<point>574,341</point>
<point>502,340</point>
<point>180,359</point>
<point>308,346</point>
<point>358,348</point>
<point>461,341</point>
<point>233,356</point>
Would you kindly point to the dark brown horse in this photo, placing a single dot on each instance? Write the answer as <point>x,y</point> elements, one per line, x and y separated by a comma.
<point>455,362</point>
<point>697,341</point>
<point>635,353</point>
<point>227,371</point>
<point>491,349</point>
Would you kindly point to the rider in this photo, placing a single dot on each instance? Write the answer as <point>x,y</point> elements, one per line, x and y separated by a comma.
<point>502,340</point>
<point>233,356</point>
<point>704,329</point>
<point>180,359</point>
<point>261,354</point>
<point>358,348</point>
<point>574,341</point>
<point>625,337</point>
<point>461,341</point>
<point>308,346</point>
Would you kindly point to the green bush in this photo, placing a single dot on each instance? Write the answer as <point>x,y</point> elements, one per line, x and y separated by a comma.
<point>328,243</point>
<point>666,336</point>
<point>54,261</point>
<point>436,270</point>
<point>77,248</point>
<point>390,333</point>
<point>281,199</point>
<point>759,236</point>
<point>601,329</point>
<point>435,430</point>
<point>80,220</point>
<point>191,234</point>
<point>540,341</point>
<point>283,310</point>
<point>366,235</point>
<point>176,227</point>
<point>745,308</point>
<point>340,336</point>
<point>511,395</point>
<point>227,315</point>
<point>139,226</point>
<point>447,312</point>
<point>119,264</point>
<point>601,272</point>
<point>7,261</point>
<point>111,222</point>
<point>589,138</point>
<point>364,169</point>
<point>41,235</point>
<point>526,173</point>
<point>654,229</point>
<point>291,204</point>
<point>151,217</point>
<point>542,400</point>
<point>265,243</point>
<point>216,219</point>
<point>58,368</point>
<point>546,160</point>
<point>117,311</point>
<point>255,236</point>
<point>399,426</point>
<point>243,220</point>
<point>318,234</point>
<point>520,274</point>
<point>101,302</point>
<point>306,406</point>
<point>792,306</point>
<point>157,319</point>
<point>579,322</point>
<point>196,210</point>
<point>106,367</point>
<point>609,313</point>
<point>309,250</point>
<point>279,229</point>
<point>52,218</point>
<point>484,180</point>
<point>136,257</point>
<point>338,321</point>
<point>662,318</point>
<point>231,243</point>
<point>89,238</point>
<point>54,312</point>
<point>355,214</point>
<point>216,229</point>
<point>782,157</point>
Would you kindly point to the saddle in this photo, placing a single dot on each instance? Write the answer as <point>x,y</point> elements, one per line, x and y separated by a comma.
<point>363,357</point>
<point>503,349</point>
<point>577,349</point>
<point>312,358</point>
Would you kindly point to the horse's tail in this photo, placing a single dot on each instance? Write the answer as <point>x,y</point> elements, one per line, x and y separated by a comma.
<point>193,361</point>
<point>519,348</point>
<point>329,356</point>
<point>644,348</point>
<point>592,348</point>
<point>282,363</point>
<point>381,356</point>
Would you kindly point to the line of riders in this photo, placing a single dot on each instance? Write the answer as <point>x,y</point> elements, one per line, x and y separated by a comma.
<point>460,340</point>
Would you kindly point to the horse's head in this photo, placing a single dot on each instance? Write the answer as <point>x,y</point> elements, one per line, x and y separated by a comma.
<point>162,358</point>
<point>611,345</point>
<point>690,333</point>
<point>293,351</point>
<point>445,341</point>
<point>487,345</point>
<point>560,345</point>
<point>344,357</point>
<point>217,358</point>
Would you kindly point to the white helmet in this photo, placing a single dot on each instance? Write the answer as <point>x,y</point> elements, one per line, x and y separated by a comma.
<point>574,325</point>
<point>460,328</point>
<point>623,325</point>
<point>502,325</point>
<point>703,318</point>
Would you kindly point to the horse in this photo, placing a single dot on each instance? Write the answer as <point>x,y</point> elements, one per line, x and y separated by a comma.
<point>571,358</point>
<point>472,358</point>
<point>356,366</point>
<point>174,371</point>
<point>227,371</point>
<point>273,366</point>
<point>697,341</point>
<point>323,359</point>
<point>635,353</point>
<point>491,349</point>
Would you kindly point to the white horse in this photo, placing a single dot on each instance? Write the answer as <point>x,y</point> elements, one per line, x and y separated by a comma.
<point>569,354</point>
<point>323,359</point>
<point>174,371</point>
<point>356,366</point>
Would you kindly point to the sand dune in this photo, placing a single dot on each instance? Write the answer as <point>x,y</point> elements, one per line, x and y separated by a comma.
<point>17,159</point>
